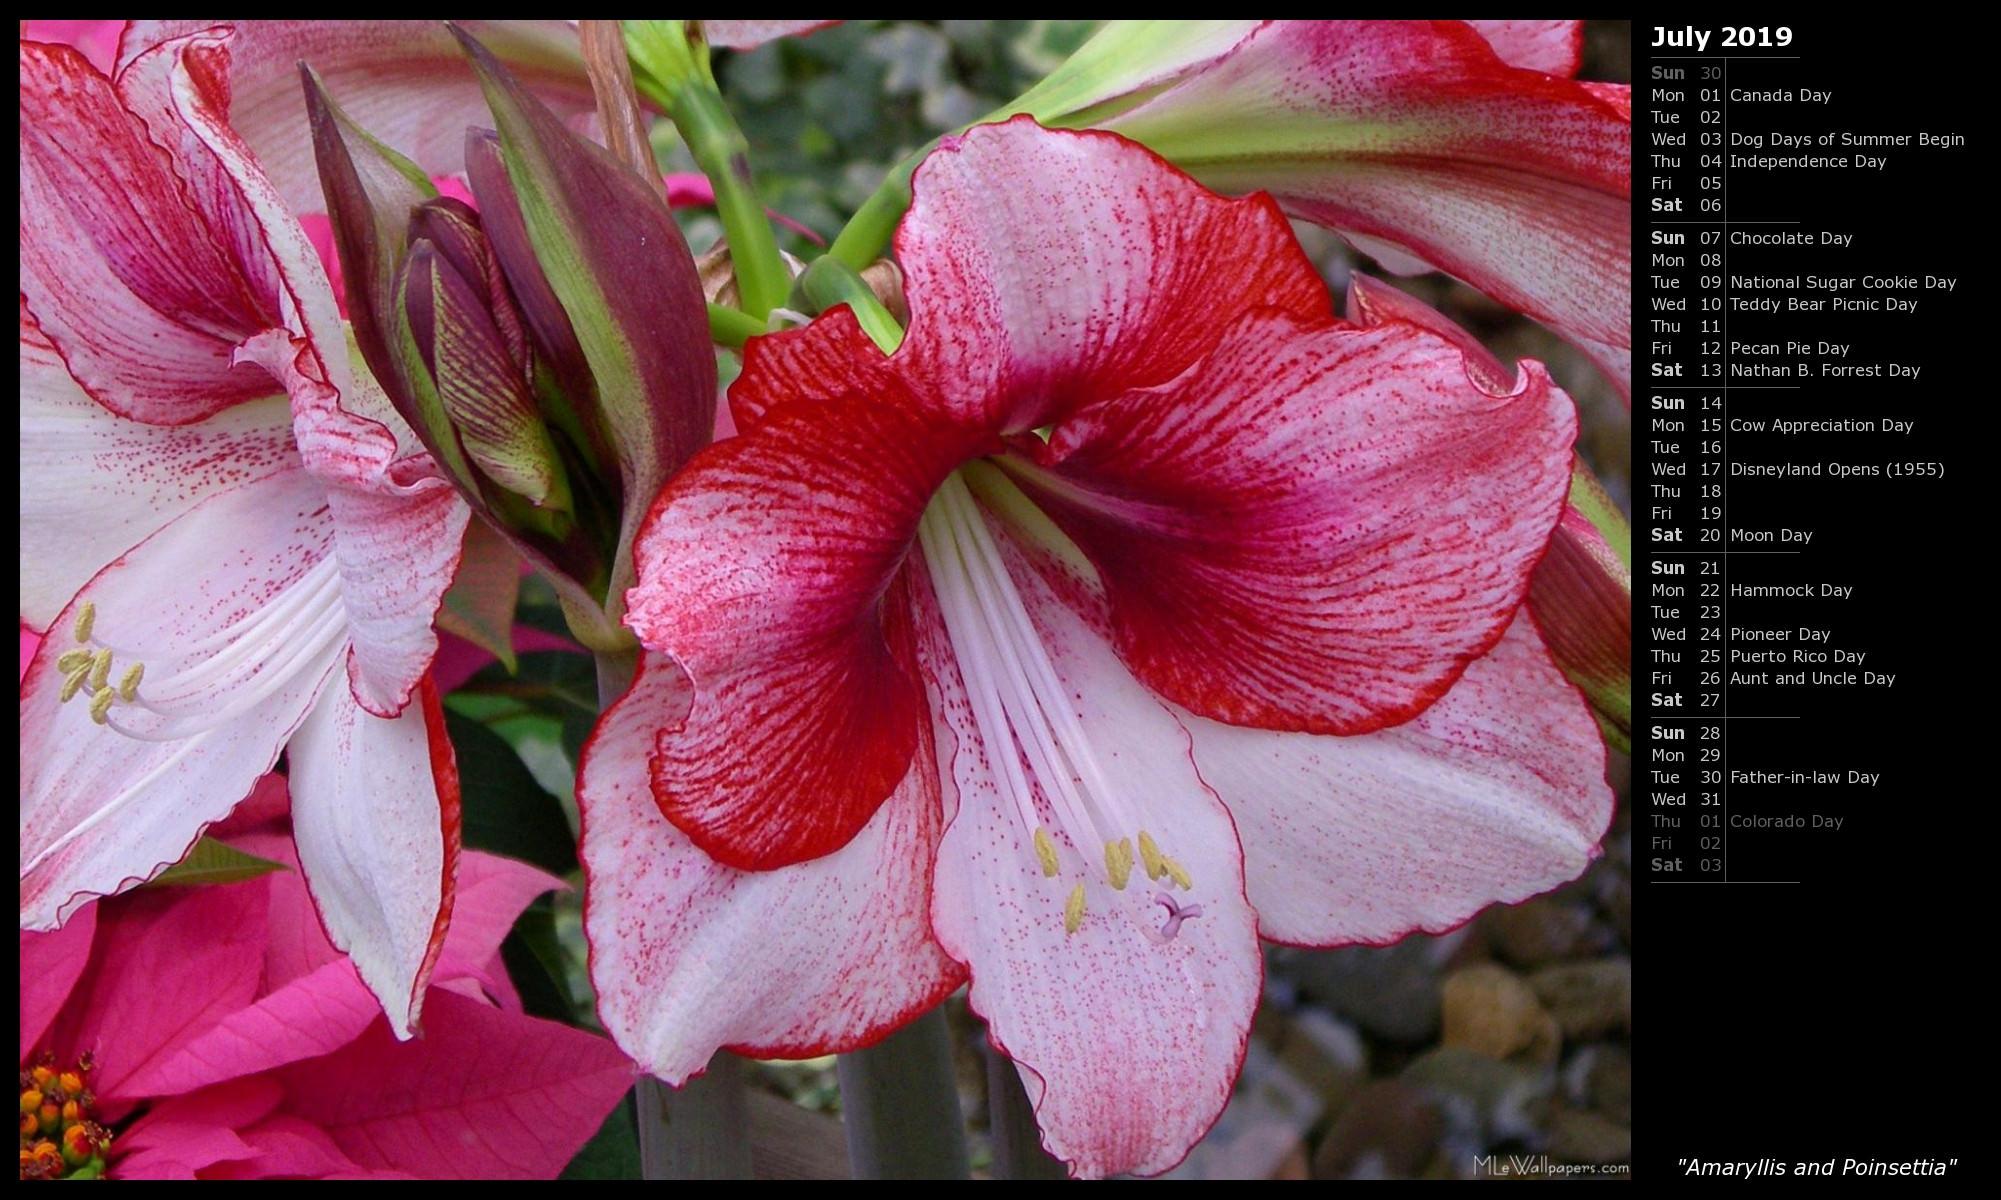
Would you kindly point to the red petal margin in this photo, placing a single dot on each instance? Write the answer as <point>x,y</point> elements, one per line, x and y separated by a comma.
<point>1312,530</point>
<point>763,568</point>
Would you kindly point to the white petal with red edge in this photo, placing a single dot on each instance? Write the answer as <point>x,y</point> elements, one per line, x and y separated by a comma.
<point>1021,307</point>
<point>1130,1031</point>
<point>127,277</point>
<point>689,956</point>
<point>743,35</point>
<point>1495,794</point>
<point>93,484</point>
<point>1554,47</point>
<point>375,815</point>
<point>233,612</point>
<point>1312,529</point>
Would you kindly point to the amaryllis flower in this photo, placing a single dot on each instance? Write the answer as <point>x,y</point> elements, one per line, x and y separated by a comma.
<point>1457,146</point>
<point>213,1032</point>
<point>1136,607</point>
<point>233,545</point>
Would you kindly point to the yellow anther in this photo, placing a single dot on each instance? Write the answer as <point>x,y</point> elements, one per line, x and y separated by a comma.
<point>1180,873</point>
<point>1073,911</point>
<point>128,687</point>
<point>1045,850</point>
<point>86,619</point>
<point>100,705</point>
<point>1149,853</point>
<point>72,659</point>
<point>72,683</point>
<point>100,670</point>
<point>1119,862</point>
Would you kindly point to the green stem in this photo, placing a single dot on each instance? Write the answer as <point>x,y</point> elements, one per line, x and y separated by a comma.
<point>866,236</point>
<point>1018,1152</point>
<point>900,1105</point>
<point>702,1130</point>
<point>728,327</point>
<point>674,70</point>
<point>829,281</point>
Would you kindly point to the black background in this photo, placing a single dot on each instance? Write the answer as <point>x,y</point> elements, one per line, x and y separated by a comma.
<point>1837,1017</point>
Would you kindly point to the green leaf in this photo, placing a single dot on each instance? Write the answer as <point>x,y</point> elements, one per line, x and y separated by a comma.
<point>214,862</point>
<point>613,1152</point>
<point>538,966</point>
<point>504,810</point>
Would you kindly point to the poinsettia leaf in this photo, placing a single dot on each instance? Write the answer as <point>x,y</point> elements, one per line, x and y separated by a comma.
<point>212,861</point>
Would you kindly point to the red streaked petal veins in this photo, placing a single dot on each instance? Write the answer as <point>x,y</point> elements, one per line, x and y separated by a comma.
<point>126,277</point>
<point>1312,530</point>
<point>1046,270</point>
<point>688,955</point>
<point>826,360</point>
<point>1492,795</point>
<point>375,814</point>
<point>764,567</point>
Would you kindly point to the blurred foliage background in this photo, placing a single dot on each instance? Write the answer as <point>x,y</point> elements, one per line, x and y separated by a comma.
<point>1509,1036</point>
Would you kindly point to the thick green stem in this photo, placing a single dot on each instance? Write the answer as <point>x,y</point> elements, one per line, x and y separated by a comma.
<point>900,1104</point>
<point>701,1131</point>
<point>1018,1152</point>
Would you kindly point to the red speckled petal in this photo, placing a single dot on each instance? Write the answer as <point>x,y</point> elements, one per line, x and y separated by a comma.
<point>1312,530</point>
<point>1494,794</point>
<point>234,611</point>
<point>763,569</point>
<point>689,956</point>
<point>1128,1041</point>
<point>1045,270</point>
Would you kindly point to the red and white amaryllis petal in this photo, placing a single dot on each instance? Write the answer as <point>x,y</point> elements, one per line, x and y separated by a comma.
<point>404,81</point>
<point>764,567</point>
<point>1125,1005</point>
<point>132,283</point>
<point>1494,794</point>
<point>225,654</point>
<point>93,484</point>
<point>691,955</point>
<point>375,815</point>
<point>1312,529</point>
<point>1021,310</point>
<point>1418,138</point>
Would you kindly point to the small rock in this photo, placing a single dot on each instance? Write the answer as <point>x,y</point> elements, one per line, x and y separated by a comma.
<point>1390,1132</point>
<point>1326,1054</point>
<point>1589,1137</point>
<point>1484,1102</point>
<point>1600,1078</point>
<point>1389,991</point>
<point>1543,931</point>
<point>1589,999</point>
<point>1488,1009</point>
